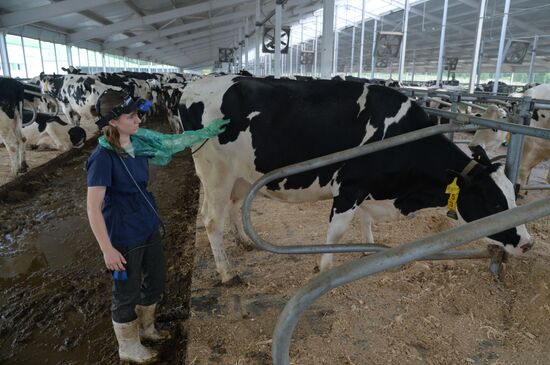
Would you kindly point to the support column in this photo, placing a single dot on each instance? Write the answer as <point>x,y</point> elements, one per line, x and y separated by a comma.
<point>246,43</point>
<point>41,55</point>
<point>373,56</point>
<point>532,63</point>
<point>404,42</point>
<point>500,57</point>
<point>442,44</point>
<point>352,49</point>
<point>475,59</point>
<point>301,46</point>
<point>327,43</point>
<point>103,62</point>
<point>4,55</point>
<point>69,55</point>
<point>258,39</point>
<point>24,57</point>
<point>360,71</point>
<point>278,26</point>
<point>315,47</point>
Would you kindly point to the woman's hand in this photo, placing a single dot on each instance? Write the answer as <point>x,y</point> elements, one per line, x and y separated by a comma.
<point>114,259</point>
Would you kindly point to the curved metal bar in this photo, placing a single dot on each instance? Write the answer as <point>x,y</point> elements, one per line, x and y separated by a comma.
<point>392,258</point>
<point>324,161</point>
<point>505,126</point>
<point>46,96</point>
<point>32,119</point>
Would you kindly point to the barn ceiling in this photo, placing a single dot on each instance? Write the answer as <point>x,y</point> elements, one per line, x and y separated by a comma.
<point>187,33</point>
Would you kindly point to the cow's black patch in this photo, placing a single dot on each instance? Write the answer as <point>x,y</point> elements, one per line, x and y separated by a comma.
<point>11,95</point>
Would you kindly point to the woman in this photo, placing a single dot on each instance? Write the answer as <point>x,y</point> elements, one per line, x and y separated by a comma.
<point>124,217</point>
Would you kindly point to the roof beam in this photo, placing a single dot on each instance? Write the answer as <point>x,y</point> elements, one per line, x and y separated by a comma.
<point>174,41</point>
<point>150,19</point>
<point>32,15</point>
<point>150,36</point>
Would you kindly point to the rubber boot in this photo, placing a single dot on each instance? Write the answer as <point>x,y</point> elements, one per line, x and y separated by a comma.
<point>147,330</point>
<point>129,345</point>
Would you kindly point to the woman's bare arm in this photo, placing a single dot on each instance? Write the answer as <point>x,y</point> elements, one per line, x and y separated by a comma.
<point>113,259</point>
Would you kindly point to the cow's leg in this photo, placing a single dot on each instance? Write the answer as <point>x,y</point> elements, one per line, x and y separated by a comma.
<point>238,193</point>
<point>217,198</point>
<point>13,140</point>
<point>342,213</point>
<point>529,159</point>
<point>366,221</point>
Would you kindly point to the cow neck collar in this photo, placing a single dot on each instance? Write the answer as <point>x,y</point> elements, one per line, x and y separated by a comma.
<point>469,167</point>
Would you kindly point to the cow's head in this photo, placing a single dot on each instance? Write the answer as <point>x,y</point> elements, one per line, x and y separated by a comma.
<point>490,139</point>
<point>484,191</point>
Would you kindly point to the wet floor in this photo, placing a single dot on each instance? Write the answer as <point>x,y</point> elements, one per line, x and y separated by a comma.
<point>54,289</point>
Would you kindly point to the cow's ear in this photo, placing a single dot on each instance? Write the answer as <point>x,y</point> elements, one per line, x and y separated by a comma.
<point>480,156</point>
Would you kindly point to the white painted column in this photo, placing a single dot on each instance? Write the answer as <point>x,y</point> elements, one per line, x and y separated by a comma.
<point>327,43</point>
<point>278,26</point>
<point>442,44</point>
<point>500,57</point>
<point>475,58</point>
<point>4,55</point>
<point>404,42</point>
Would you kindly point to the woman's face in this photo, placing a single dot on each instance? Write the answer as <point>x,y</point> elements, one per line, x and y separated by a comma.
<point>127,123</point>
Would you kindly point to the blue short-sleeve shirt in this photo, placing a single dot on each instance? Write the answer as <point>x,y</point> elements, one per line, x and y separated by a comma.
<point>129,218</point>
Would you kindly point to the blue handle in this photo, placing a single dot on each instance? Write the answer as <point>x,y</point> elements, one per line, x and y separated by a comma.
<point>123,276</point>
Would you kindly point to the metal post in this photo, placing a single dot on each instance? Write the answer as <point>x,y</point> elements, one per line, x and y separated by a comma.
<point>245,40</point>
<point>475,58</point>
<point>520,115</point>
<point>259,34</point>
<point>4,55</point>
<point>404,42</point>
<point>480,62</point>
<point>501,44</point>
<point>278,26</point>
<point>55,57</point>
<point>352,49</point>
<point>327,43</point>
<point>103,62</point>
<point>315,48</point>
<point>532,63</point>
<point>373,56</point>
<point>24,57</point>
<point>301,46</point>
<point>442,44</point>
<point>290,59</point>
<point>361,51</point>
<point>336,37</point>
<point>413,66</point>
<point>41,55</point>
<point>69,55</point>
<point>335,60</point>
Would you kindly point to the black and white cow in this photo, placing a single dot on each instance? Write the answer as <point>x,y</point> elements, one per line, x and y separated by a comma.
<point>77,95</point>
<point>71,70</point>
<point>48,127</point>
<point>171,94</point>
<point>11,104</point>
<point>275,123</point>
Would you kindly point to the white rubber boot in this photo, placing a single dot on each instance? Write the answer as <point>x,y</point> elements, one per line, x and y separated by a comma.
<point>147,330</point>
<point>129,346</point>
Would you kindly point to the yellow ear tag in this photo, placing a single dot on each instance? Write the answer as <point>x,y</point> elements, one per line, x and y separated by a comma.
<point>453,190</point>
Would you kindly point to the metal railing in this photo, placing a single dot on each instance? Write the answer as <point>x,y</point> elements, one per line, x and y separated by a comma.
<point>431,248</point>
<point>389,259</point>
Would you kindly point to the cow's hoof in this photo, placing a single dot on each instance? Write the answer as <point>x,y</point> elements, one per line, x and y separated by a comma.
<point>234,281</point>
<point>244,244</point>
